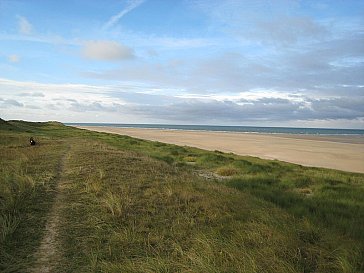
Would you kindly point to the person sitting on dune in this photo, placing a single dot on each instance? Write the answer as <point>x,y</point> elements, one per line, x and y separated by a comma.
<point>32,142</point>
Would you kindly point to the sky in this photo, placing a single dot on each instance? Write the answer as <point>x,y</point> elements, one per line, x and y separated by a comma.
<point>216,62</point>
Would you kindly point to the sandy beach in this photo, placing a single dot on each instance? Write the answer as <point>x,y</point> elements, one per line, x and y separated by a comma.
<point>335,152</point>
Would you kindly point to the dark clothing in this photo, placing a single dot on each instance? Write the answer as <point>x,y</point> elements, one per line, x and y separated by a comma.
<point>32,142</point>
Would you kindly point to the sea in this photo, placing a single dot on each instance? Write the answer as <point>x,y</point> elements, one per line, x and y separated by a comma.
<point>240,129</point>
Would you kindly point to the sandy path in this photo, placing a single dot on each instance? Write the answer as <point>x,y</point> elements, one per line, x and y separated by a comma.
<point>49,254</point>
<point>338,152</point>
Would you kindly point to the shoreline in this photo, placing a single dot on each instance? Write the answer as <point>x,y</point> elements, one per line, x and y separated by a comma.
<point>240,129</point>
<point>344,138</point>
<point>344,153</point>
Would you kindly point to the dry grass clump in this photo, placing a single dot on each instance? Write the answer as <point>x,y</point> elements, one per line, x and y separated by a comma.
<point>190,159</point>
<point>305,191</point>
<point>227,171</point>
<point>117,204</point>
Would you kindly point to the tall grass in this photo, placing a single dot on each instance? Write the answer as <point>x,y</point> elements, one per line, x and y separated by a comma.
<point>139,206</point>
<point>26,182</point>
<point>150,216</point>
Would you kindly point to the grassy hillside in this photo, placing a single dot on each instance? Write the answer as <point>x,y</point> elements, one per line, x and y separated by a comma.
<point>129,205</point>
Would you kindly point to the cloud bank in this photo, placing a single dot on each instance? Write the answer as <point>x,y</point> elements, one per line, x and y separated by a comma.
<point>128,105</point>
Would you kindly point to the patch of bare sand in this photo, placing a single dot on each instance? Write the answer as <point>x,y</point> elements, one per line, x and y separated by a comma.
<point>335,152</point>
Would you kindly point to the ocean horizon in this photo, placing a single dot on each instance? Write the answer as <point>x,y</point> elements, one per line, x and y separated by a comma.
<point>240,129</point>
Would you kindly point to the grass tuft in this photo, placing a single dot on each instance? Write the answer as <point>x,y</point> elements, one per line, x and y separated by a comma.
<point>117,204</point>
<point>227,171</point>
<point>8,225</point>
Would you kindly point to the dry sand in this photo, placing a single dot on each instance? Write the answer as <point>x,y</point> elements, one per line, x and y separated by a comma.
<point>335,152</point>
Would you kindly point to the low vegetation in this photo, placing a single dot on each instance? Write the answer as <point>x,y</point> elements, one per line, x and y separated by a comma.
<point>227,171</point>
<point>131,205</point>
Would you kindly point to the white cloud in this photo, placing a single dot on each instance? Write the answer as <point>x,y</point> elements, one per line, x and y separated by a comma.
<point>14,58</point>
<point>106,51</point>
<point>24,26</point>
<point>132,4</point>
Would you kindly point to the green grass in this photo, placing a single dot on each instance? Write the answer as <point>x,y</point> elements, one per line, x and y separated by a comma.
<point>27,176</point>
<point>140,206</point>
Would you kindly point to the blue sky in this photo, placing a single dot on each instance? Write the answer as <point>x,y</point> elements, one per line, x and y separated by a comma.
<point>265,63</point>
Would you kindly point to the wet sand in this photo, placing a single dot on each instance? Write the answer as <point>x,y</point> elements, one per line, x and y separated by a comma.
<point>335,152</point>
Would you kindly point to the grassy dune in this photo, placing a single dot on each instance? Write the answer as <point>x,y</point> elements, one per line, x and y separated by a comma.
<point>130,205</point>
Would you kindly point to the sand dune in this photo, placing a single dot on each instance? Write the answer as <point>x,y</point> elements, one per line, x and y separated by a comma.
<point>336,152</point>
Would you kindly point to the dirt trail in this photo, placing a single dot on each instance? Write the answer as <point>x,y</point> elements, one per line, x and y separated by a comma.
<point>49,254</point>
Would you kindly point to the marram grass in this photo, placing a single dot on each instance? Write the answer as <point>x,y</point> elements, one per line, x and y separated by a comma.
<point>131,205</point>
